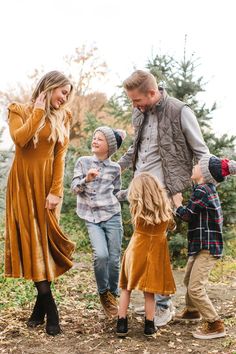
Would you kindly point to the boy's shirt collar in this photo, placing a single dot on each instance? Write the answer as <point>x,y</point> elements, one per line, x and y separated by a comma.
<point>211,185</point>
<point>106,162</point>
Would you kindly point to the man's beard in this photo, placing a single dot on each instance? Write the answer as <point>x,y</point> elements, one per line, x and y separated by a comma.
<point>147,108</point>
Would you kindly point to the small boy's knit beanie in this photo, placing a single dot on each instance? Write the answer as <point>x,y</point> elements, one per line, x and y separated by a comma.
<point>214,169</point>
<point>114,138</point>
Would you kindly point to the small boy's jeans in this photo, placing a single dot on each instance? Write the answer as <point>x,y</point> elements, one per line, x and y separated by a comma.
<point>163,301</point>
<point>195,279</point>
<point>106,238</point>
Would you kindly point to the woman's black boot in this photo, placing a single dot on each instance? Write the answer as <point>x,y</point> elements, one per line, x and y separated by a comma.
<point>52,325</point>
<point>38,314</point>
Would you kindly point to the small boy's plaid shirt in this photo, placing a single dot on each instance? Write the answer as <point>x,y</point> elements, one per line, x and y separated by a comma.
<point>205,220</point>
<point>96,200</point>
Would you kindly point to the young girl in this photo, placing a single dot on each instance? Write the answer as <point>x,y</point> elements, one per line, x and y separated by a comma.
<point>146,263</point>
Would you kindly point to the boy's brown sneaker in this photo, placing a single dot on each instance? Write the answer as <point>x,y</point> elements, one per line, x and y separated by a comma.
<point>186,315</point>
<point>109,304</point>
<point>211,330</point>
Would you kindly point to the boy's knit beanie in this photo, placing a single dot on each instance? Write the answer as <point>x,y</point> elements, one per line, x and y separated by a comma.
<point>214,169</point>
<point>114,138</point>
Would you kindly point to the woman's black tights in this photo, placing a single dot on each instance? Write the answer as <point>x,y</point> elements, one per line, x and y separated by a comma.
<point>43,287</point>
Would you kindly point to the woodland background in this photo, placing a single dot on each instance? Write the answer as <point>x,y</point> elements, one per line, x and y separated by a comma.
<point>91,109</point>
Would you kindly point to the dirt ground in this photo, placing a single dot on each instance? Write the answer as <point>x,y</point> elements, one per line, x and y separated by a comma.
<point>86,330</point>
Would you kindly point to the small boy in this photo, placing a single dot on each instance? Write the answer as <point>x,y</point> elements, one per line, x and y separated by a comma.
<point>205,244</point>
<point>96,182</point>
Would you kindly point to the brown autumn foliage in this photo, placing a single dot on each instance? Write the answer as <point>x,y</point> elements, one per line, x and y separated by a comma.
<point>84,67</point>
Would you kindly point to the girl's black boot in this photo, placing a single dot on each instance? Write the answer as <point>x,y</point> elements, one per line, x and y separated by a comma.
<point>38,314</point>
<point>122,327</point>
<point>149,328</point>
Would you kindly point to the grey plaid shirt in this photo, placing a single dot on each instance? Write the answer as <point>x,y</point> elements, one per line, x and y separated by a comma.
<point>96,200</point>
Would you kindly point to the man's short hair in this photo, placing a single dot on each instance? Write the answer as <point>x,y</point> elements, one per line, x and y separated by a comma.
<point>141,80</point>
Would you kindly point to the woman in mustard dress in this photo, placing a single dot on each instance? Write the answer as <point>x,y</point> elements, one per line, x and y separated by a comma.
<point>35,246</point>
<point>146,262</point>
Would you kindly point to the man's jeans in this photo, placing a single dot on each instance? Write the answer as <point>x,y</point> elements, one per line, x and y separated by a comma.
<point>106,238</point>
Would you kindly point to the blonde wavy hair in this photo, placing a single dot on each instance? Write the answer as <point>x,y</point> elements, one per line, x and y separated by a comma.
<point>50,81</point>
<point>148,201</point>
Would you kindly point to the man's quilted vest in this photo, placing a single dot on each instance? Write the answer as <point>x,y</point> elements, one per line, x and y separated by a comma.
<point>176,154</point>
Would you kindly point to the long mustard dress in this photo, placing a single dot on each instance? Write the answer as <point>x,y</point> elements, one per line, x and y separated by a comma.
<point>35,246</point>
<point>146,262</point>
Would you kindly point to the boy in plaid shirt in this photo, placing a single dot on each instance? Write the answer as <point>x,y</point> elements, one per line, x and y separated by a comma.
<point>96,182</point>
<point>205,244</point>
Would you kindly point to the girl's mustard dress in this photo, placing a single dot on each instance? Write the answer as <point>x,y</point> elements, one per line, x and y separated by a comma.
<point>146,262</point>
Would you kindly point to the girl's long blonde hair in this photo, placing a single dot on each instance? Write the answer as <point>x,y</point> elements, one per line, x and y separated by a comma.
<point>148,200</point>
<point>49,82</point>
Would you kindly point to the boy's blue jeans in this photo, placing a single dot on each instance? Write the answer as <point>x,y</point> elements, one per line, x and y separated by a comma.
<point>106,238</point>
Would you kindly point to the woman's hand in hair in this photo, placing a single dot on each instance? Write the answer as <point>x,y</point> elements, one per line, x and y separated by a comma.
<point>40,101</point>
<point>52,201</point>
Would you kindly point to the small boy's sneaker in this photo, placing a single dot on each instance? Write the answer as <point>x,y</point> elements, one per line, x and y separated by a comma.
<point>162,316</point>
<point>210,330</point>
<point>140,310</point>
<point>149,328</point>
<point>109,304</point>
<point>186,315</point>
<point>122,327</point>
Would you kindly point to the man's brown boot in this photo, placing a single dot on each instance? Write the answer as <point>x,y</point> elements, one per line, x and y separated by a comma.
<point>109,304</point>
<point>211,330</point>
<point>186,315</point>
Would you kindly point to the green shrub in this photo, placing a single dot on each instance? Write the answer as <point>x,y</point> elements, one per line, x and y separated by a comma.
<point>178,249</point>
<point>76,229</point>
